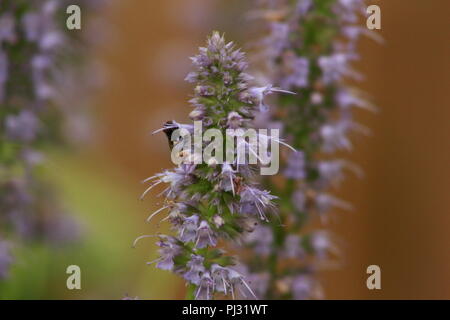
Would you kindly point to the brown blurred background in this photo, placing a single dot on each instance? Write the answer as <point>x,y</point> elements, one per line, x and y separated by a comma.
<point>401,220</point>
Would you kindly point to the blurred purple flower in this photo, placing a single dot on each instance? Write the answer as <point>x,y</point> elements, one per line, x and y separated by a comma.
<point>3,74</point>
<point>261,240</point>
<point>295,168</point>
<point>7,28</point>
<point>311,56</point>
<point>296,72</point>
<point>22,127</point>
<point>6,259</point>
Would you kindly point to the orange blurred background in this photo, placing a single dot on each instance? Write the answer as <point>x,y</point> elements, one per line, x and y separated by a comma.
<point>401,220</point>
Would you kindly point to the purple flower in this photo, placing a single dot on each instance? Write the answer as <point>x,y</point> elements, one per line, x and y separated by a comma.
<point>331,170</point>
<point>6,259</point>
<point>278,38</point>
<point>323,244</point>
<point>303,6</point>
<point>229,280</point>
<point>261,240</point>
<point>32,157</point>
<point>228,175</point>
<point>62,229</point>
<point>204,91</point>
<point>168,250</point>
<point>205,236</point>
<point>15,194</point>
<point>23,127</point>
<point>261,200</point>
<point>296,71</point>
<point>348,10</point>
<point>192,77</point>
<point>189,228</point>
<point>3,74</point>
<point>259,283</point>
<point>324,202</point>
<point>302,287</point>
<point>177,179</point>
<point>235,120</point>
<point>205,289</point>
<point>293,248</point>
<point>334,67</point>
<point>7,28</point>
<point>346,99</point>
<point>334,136</point>
<point>39,26</point>
<point>195,269</point>
<point>197,114</point>
<point>299,200</point>
<point>257,95</point>
<point>295,168</point>
<point>238,282</point>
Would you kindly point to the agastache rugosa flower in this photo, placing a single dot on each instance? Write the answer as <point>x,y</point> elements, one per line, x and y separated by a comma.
<point>209,202</point>
<point>308,49</point>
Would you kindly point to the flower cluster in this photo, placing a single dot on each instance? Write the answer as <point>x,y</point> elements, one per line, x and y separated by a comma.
<point>209,201</point>
<point>308,49</point>
<point>32,38</point>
